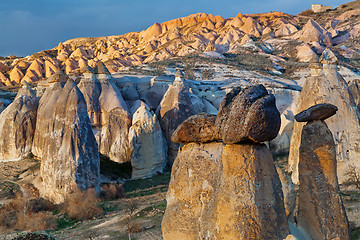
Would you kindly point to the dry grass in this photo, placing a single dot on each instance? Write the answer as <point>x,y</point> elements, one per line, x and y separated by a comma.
<point>112,191</point>
<point>82,205</point>
<point>19,214</point>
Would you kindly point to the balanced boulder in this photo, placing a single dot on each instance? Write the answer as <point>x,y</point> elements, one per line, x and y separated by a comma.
<point>320,111</point>
<point>197,128</point>
<point>250,115</point>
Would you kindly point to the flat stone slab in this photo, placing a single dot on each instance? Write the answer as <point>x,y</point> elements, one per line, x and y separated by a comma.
<point>320,111</point>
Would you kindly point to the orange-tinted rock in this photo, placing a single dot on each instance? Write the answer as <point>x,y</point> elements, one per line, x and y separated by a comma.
<point>16,75</point>
<point>238,196</point>
<point>321,212</point>
<point>198,128</point>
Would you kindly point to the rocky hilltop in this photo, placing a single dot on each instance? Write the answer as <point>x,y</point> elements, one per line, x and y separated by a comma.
<point>275,36</point>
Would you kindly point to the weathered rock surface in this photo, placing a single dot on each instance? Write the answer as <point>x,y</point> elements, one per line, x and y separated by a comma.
<point>238,196</point>
<point>198,128</point>
<point>320,209</point>
<point>17,126</point>
<point>330,87</point>
<point>320,111</point>
<point>109,115</point>
<point>248,116</point>
<point>147,143</point>
<point>177,105</point>
<point>65,143</point>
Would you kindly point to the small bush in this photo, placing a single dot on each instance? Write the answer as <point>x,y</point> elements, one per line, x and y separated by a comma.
<point>112,191</point>
<point>307,12</point>
<point>207,74</point>
<point>82,205</point>
<point>18,215</point>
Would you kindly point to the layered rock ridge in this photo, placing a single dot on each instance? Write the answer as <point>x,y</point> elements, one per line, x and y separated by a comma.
<point>239,195</point>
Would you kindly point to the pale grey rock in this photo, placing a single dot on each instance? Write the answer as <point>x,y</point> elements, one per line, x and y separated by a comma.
<point>17,126</point>
<point>109,117</point>
<point>65,143</point>
<point>147,143</point>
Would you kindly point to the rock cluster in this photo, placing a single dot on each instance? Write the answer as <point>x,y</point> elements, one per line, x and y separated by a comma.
<point>321,212</point>
<point>239,195</point>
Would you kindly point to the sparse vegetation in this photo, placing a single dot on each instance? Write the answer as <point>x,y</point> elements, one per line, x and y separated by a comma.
<point>112,191</point>
<point>114,169</point>
<point>82,205</point>
<point>207,74</point>
<point>22,214</point>
<point>307,12</point>
<point>353,176</point>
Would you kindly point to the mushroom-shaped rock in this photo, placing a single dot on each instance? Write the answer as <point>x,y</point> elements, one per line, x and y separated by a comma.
<point>321,212</point>
<point>248,116</point>
<point>320,111</point>
<point>65,143</point>
<point>147,143</point>
<point>197,128</point>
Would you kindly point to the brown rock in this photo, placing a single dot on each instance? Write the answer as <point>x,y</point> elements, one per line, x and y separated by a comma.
<point>321,212</point>
<point>248,116</point>
<point>16,75</point>
<point>320,111</point>
<point>238,196</point>
<point>198,128</point>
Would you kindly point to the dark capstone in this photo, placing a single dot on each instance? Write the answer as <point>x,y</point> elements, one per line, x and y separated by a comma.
<point>248,116</point>
<point>317,112</point>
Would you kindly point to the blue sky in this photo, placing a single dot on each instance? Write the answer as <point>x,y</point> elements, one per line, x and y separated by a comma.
<point>28,26</point>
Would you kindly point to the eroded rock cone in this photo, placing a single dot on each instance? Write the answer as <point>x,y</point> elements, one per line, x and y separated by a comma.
<point>65,143</point>
<point>248,116</point>
<point>198,128</point>
<point>176,106</point>
<point>147,143</point>
<point>321,211</point>
<point>239,195</point>
<point>17,126</point>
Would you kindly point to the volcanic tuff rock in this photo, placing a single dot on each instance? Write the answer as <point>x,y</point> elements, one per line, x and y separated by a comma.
<point>108,113</point>
<point>239,195</point>
<point>177,105</point>
<point>321,212</point>
<point>248,116</point>
<point>320,111</point>
<point>147,143</point>
<point>65,143</point>
<point>197,128</point>
<point>17,126</point>
<point>330,87</point>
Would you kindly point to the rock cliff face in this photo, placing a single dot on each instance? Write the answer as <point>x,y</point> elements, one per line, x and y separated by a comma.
<point>65,142</point>
<point>147,143</point>
<point>320,209</point>
<point>238,197</point>
<point>330,87</point>
<point>17,126</point>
